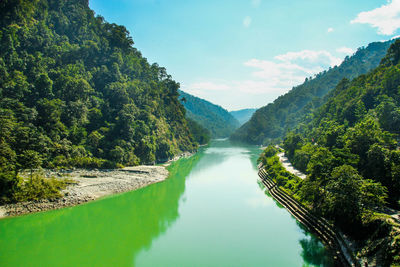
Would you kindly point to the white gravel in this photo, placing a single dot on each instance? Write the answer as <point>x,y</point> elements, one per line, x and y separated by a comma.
<point>92,184</point>
<point>289,167</point>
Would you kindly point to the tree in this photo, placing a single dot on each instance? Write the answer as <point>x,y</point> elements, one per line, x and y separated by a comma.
<point>270,151</point>
<point>389,115</point>
<point>117,154</point>
<point>74,92</point>
<point>321,165</point>
<point>29,159</point>
<point>378,164</point>
<point>343,196</point>
<point>291,143</point>
<point>349,197</point>
<point>301,159</point>
<point>43,87</point>
<point>363,136</point>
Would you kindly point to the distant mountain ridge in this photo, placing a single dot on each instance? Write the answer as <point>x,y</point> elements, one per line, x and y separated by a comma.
<point>243,115</point>
<point>287,111</point>
<point>214,118</point>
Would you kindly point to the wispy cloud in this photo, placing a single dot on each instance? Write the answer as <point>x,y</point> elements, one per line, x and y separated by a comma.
<point>266,79</point>
<point>255,3</point>
<point>273,77</point>
<point>310,58</point>
<point>329,30</point>
<point>288,70</point>
<point>345,50</point>
<point>247,21</point>
<point>386,18</point>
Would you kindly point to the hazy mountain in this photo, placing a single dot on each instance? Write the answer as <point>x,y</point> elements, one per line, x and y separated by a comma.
<point>214,118</point>
<point>243,115</point>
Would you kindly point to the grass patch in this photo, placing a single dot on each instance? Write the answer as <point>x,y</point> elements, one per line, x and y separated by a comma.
<point>37,187</point>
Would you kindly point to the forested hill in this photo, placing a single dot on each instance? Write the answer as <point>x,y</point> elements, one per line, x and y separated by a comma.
<point>350,151</point>
<point>275,119</point>
<point>360,125</point>
<point>212,117</point>
<point>243,115</point>
<point>75,92</point>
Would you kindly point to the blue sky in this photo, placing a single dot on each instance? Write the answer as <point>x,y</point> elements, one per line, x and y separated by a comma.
<point>245,53</point>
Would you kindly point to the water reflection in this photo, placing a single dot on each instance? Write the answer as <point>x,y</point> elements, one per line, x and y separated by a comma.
<point>109,232</point>
<point>314,253</point>
<point>253,152</point>
<point>210,212</point>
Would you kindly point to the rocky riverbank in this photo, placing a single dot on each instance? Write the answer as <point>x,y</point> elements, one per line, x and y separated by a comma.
<point>90,185</point>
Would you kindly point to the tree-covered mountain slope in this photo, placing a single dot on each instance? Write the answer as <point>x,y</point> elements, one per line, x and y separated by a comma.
<point>359,125</point>
<point>275,119</point>
<point>350,152</point>
<point>75,92</point>
<point>212,117</point>
<point>243,115</point>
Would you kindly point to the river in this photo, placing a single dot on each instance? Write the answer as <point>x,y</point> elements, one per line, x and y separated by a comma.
<point>211,211</point>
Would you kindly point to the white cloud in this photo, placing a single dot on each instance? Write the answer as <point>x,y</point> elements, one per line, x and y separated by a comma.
<point>256,3</point>
<point>247,21</point>
<point>275,76</point>
<point>266,80</point>
<point>309,58</point>
<point>330,30</point>
<point>287,70</point>
<point>386,18</point>
<point>345,50</point>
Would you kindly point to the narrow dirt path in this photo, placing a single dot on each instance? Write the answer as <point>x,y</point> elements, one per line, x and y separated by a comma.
<point>395,214</point>
<point>289,167</point>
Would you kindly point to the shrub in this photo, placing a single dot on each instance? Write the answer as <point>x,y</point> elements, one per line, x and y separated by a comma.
<point>38,187</point>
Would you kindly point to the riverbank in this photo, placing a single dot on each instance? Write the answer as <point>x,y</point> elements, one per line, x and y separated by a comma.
<point>93,184</point>
<point>150,226</point>
<point>382,229</point>
<point>342,254</point>
<point>90,185</point>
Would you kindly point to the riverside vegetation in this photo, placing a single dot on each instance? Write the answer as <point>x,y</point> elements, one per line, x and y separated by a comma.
<point>349,151</point>
<point>76,93</point>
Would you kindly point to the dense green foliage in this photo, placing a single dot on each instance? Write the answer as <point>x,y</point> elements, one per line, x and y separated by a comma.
<point>243,115</point>
<point>200,134</point>
<point>274,120</point>
<point>75,92</point>
<point>358,126</point>
<point>349,201</point>
<point>212,117</point>
<point>350,152</point>
<point>289,182</point>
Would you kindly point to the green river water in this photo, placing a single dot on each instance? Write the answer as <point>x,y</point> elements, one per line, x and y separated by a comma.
<point>211,211</point>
